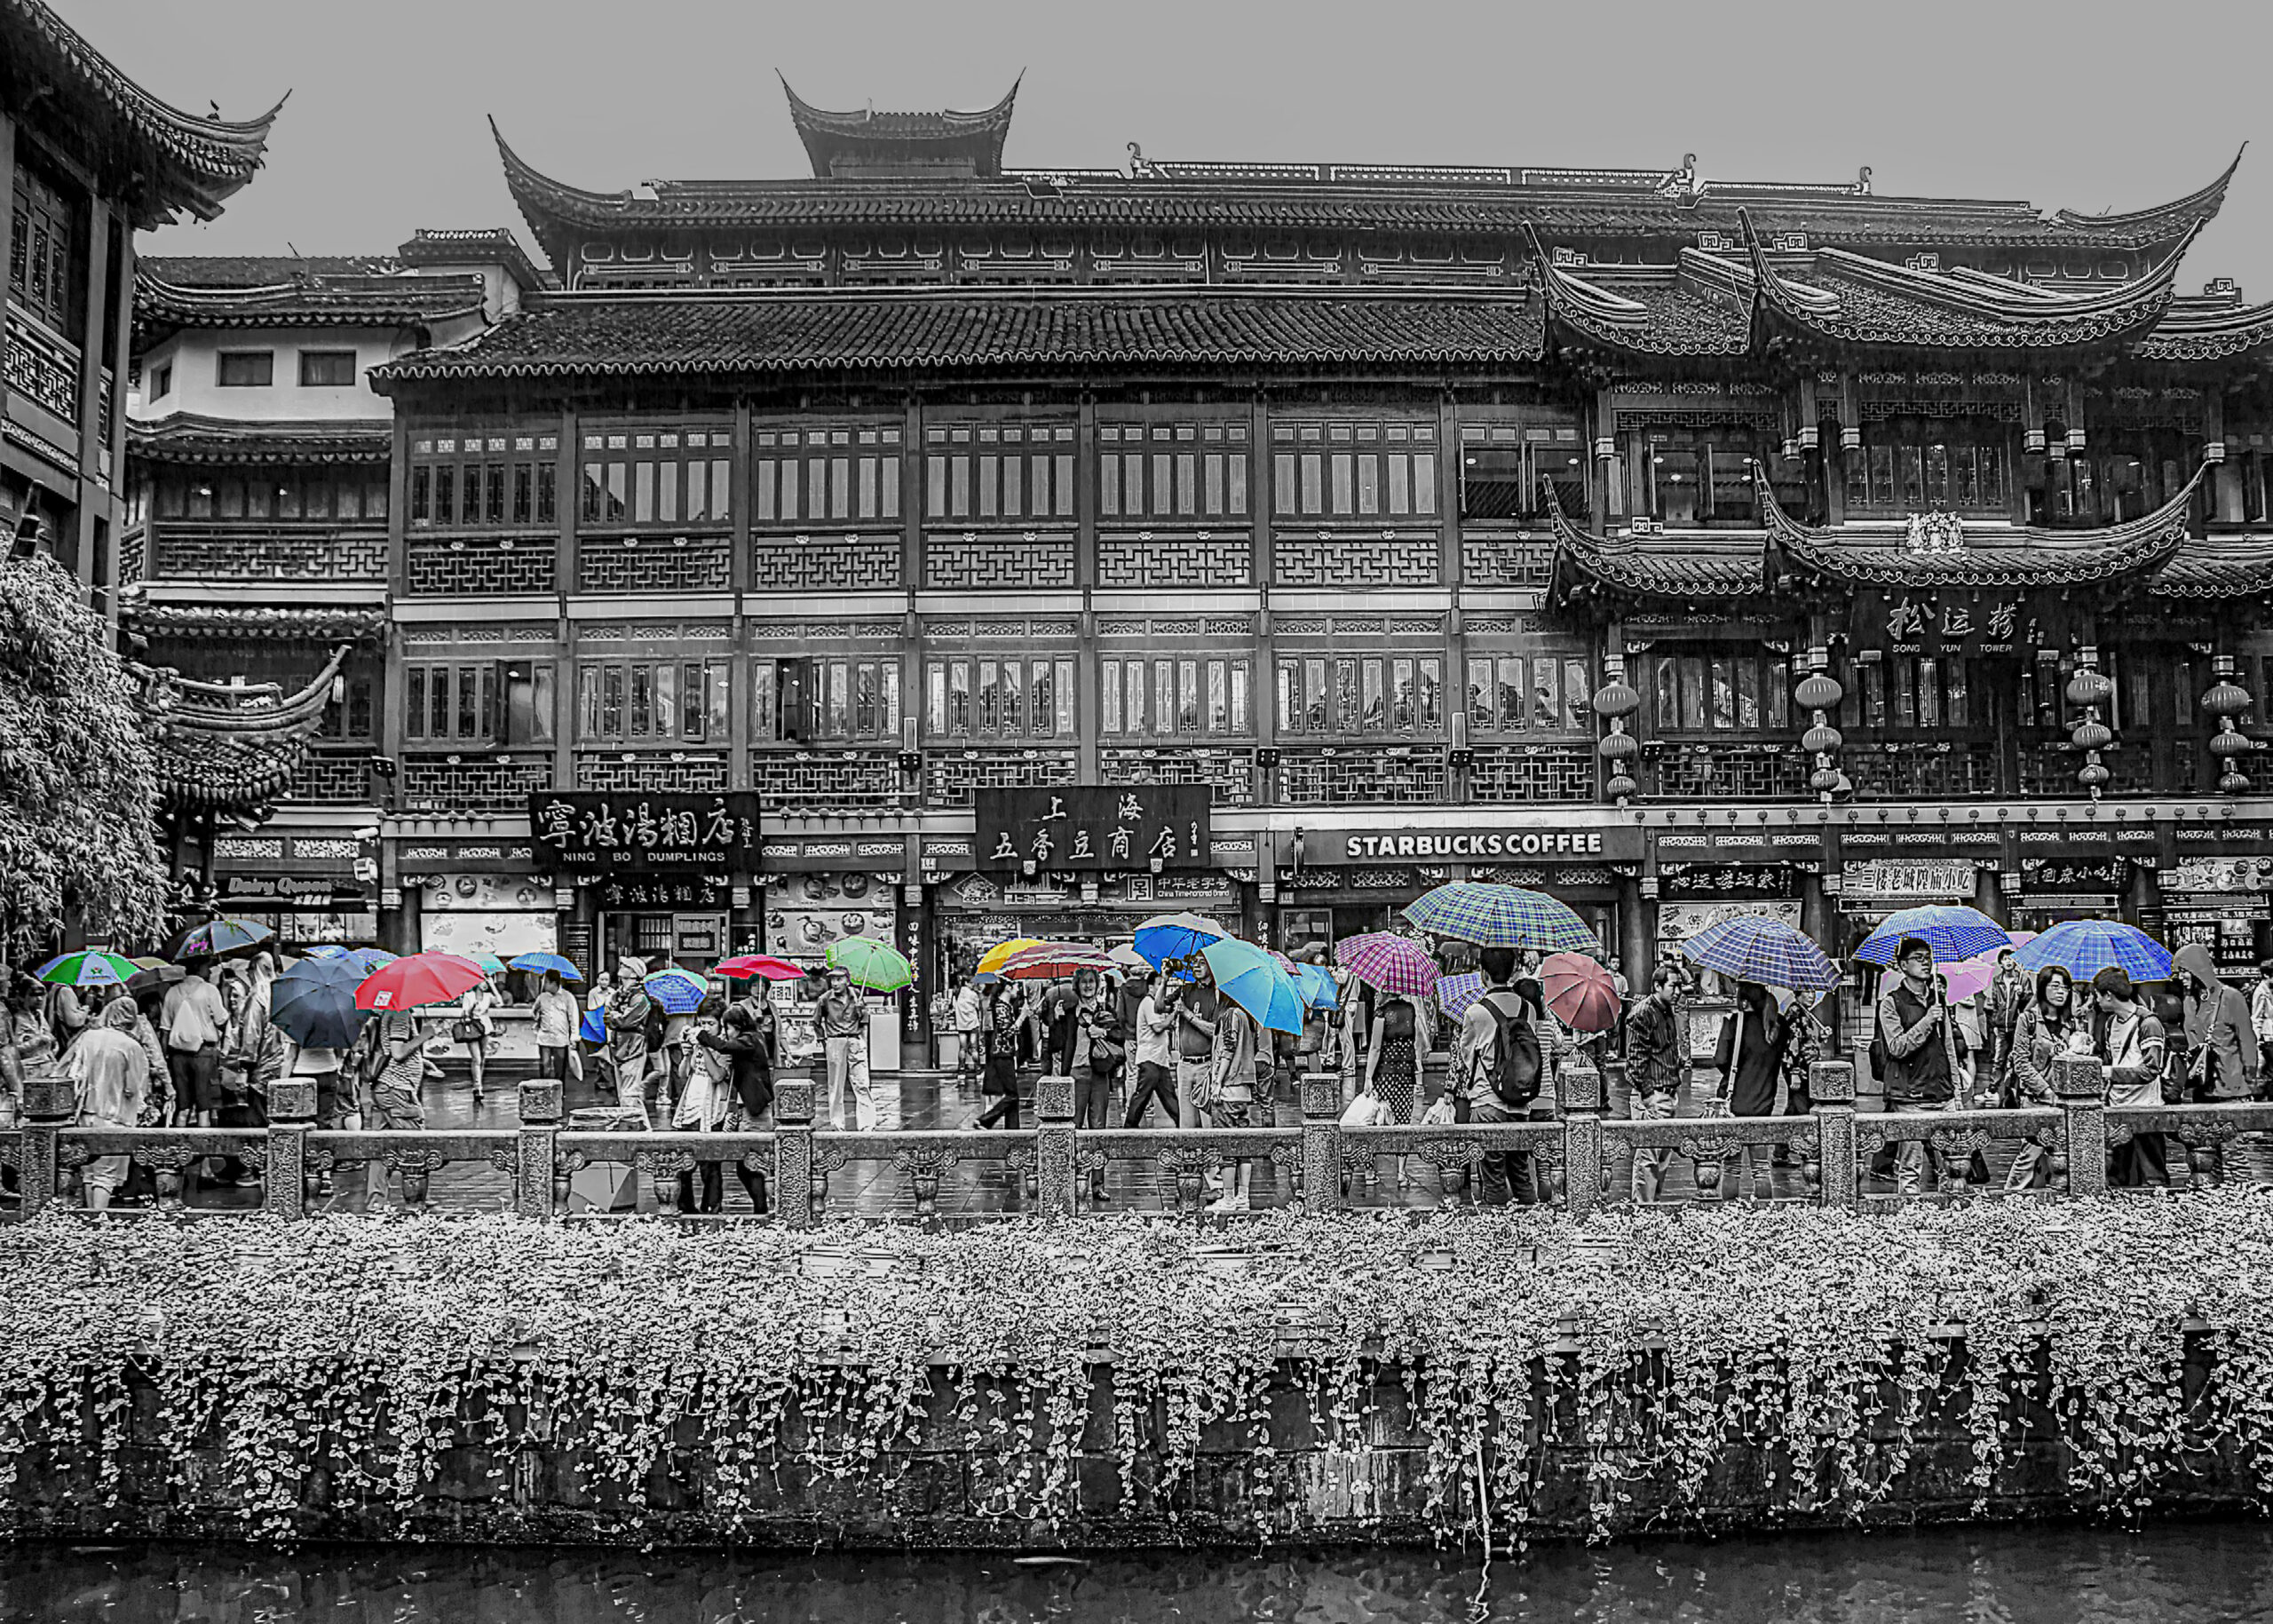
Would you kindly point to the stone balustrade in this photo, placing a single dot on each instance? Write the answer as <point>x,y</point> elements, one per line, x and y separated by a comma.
<point>1581,1157</point>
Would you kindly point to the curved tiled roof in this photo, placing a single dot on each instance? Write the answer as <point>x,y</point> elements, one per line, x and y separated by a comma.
<point>220,751</point>
<point>176,160</point>
<point>729,334</point>
<point>2196,330</point>
<point>164,306</point>
<point>305,622</point>
<point>2019,556</point>
<point>2217,566</point>
<point>1657,311</point>
<point>185,437</point>
<point>978,135</point>
<point>1688,567</point>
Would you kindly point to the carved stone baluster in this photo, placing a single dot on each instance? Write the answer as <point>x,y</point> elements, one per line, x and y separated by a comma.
<point>1831,1086</point>
<point>1053,1110</point>
<point>792,1151</point>
<point>49,1106</point>
<point>1321,1093</point>
<point>2083,1104</point>
<point>168,1165</point>
<point>291,1113</point>
<point>1580,1088</point>
<point>536,1193</point>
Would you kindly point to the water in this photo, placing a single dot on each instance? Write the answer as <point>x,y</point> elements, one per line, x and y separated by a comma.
<point>2180,1574</point>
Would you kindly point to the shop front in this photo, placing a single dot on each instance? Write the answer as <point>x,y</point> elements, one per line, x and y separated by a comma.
<point>818,890</point>
<point>654,876</point>
<point>468,894</point>
<point>2220,902</point>
<point>2096,866</point>
<point>309,885</point>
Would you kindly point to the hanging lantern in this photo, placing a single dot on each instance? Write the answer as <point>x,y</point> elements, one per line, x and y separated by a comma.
<point>2090,687</point>
<point>1614,702</point>
<point>1819,692</point>
<point>2226,699</point>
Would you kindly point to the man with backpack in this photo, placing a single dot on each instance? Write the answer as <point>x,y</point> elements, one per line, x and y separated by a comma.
<point>1501,1070</point>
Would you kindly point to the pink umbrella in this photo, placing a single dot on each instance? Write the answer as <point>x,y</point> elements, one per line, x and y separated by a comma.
<point>1388,963</point>
<point>1973,975</point>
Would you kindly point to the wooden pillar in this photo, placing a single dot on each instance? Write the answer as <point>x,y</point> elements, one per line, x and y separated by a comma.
<point>739,572</point>
<point>1087,702</point>
<point>567,511</point>
<point>7,221</point>
<point>1448,489</point>
<point>911,497</point>
<point>1260,497</point>
<point>94,478</point>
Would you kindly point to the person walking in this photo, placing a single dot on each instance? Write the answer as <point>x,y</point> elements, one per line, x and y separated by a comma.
<point>705,1094</point>
<point>1750,1060</point>
<point>1497,1073</point>
<point>842,1022</point>
<point>2010,994</point>
<point>2130,1044</point>
<point>553,1017</point>
<point>1152,1045</point>
<point>1004,1024</point>
<point>112,1074</point>
<point>1924,1054</point>
<point>745,1036</point>
<point>253,1055</point>
<point>1057,1020</point>
<point>1100,1051</point>
<point>476,1026</point>
<point>394,1102</point>
<point>970,1030</point>
<point>1657,1064</point>
<point>2221,1044</point>
<point>1231,1097</point>
<point>2048,1026</point>
<point>625,1063</point>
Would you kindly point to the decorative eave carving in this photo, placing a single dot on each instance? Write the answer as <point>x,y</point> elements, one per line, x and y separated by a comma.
<point>1589,566</point>
<point>223,749</point>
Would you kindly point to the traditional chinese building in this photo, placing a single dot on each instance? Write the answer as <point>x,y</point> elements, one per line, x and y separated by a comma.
<point>1437,521</point>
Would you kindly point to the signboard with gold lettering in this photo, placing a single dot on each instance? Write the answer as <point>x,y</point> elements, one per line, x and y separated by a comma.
<point>1093,827</point>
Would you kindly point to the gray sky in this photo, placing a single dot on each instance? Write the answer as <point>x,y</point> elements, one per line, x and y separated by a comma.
<point>2091,105</point>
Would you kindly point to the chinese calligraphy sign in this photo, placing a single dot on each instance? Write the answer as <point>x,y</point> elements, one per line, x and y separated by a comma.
<point>591,831</point>
<point>1093,827</point>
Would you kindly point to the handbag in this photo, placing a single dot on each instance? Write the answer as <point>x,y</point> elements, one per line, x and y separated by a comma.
<point>465,1029</point>
<point>1105,1056</point>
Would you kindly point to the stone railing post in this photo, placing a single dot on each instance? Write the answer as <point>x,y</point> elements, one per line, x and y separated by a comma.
<point>792,1151</point>
<point>1831,1086</point>
<point>2083,1129</point>
<point>49,1103</point>
<point>1321,1093</point>
<point>1578,1086</point>
<point>291,1113</point>
<point>1053,1110</point>
<point>536,1151</point>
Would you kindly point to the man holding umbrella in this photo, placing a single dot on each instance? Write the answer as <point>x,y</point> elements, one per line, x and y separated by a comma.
<point>1924,1054</point>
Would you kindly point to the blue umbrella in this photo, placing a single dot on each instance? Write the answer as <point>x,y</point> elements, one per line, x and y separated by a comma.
<point>594,1027</point>
<point>678,993</point>
<point>1766,951</point>
<point>369,959</point>
<point>325,950</point>
<point>537,963</point>
<point>1456,993</point>
<point>1176,935</point>
<point>314,1003</point>
<point>2085,946</point>
<point>1251,978</point>
<point>1502,916</point>
<point>1317,985</point>
<point>1954,932</point>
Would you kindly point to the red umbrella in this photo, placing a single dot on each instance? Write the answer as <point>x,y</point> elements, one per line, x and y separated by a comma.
<point>419,979</point>
<point>764,964</point>
<point>1580,991</point>
<point>1055,961</point>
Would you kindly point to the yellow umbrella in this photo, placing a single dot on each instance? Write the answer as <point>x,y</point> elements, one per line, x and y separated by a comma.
<point>992,961</point>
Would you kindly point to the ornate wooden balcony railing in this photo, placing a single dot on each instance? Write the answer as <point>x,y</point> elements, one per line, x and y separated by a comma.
<point>1581,1160</point>
<point>235,549</point>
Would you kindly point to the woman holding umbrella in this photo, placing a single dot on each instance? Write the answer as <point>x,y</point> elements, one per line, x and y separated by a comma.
<point>1004,1024</point>
<point>1750,1058</point>
<point>476,1025</point>
<point>2050,1025</point>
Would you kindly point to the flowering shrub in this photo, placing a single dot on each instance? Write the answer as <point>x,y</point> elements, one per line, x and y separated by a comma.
<point>1640,1350</point>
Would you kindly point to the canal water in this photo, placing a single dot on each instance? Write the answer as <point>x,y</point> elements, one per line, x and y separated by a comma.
<point>2182,1574</point>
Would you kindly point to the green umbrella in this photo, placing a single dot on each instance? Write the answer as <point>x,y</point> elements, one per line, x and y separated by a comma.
<point>91,968</point>
<point>875,966</point>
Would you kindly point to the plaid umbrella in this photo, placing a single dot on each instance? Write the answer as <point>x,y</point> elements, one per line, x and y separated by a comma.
<point>1766,951</point>
<point>1579,993</point>
<point>2085,946</point>
<point>1176,935</point>
<point>1501,916</point>
<point>537,963</point>
<point>1388,963</point>
<point>1455,993</point>
<point>1953,932</point>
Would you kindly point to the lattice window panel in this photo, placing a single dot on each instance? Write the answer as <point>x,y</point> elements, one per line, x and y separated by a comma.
<point>1514,775</point>
<point>1354,560</point>
<point>1004,562</point>
<point>1231,772</point>
<point>240,555</point>
<point>949,776</point>
<point>1505,561</point>
<point>1915,773</point>
<point>864,781</point>
<point>1722,775</point>
<point>651,564</point>
<point>328,778</point>
<point>1309,778</point>
<point>1142,560</point>
<point>2050,770</point>
<point>825,563</point>
<point>466,567</point>
<point>473,784</point>
<point>654,774</point>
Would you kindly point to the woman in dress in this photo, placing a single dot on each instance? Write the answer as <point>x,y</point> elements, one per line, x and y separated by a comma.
<point>1401,1034</point>
<point>1005,1022</point>
<point>479,1024</point>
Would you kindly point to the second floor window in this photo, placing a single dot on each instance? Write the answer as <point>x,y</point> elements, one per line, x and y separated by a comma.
<point>1726,690</point>
<point>502,479</point>
<point>801,700</point>
<point>43,275</point>
<point>998,470</point>
<point>245,369</point>
<point>639,702</point>
<point>978,698</point>
<point>1175,695</point>
<point>1501,467</point>
<point>354,494</point>
<point>477,702</point>
<point>1353,469</point>
<point>678,476</point>
<point>1517,693</point>
<point>1909,464</point>
<point>819,475</point>
<point>349,716</point>
<point>1171,470</point>
<point>327,368</point>
<point>1907,692</point>
<point>1348,695</point>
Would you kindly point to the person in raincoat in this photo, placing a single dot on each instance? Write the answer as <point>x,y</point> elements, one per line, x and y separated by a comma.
<point>2222,1060</point>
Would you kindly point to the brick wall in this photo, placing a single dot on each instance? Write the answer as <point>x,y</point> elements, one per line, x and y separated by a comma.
<point>1142,559</point>
<point>614,566</point>
<point>824,563</point>
<point>254,553</point>
<point>479,567</point>
<point>1036,559</point>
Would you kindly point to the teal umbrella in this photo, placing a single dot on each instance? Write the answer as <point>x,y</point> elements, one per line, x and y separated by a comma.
<point>1250,978</point>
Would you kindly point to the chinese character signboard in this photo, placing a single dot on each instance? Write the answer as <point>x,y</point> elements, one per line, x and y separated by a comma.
<point>1093,827</point>
<point>1922,620</point>
<point>593,832</point>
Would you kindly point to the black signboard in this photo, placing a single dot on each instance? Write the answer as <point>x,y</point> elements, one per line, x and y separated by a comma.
<point>1093,828</point>
<point>638,832</point>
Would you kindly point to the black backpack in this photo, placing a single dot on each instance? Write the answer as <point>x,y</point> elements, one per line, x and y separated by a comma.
<point>1511,1062</point>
